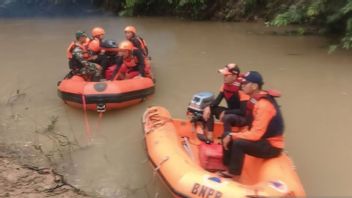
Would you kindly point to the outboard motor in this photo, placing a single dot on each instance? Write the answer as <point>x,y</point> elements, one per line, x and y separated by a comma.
<point>195,111</point>
<point>197,105</point>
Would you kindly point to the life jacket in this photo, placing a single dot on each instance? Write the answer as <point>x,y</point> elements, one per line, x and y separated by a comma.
<point>72,46</point>
<point>276,125</point>
<point>94,45</point>
<point>231,94</point>
<point>143,45</point>
<point>131,61</point>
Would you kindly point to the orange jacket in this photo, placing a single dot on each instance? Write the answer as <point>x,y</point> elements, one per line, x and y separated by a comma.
<point>263,113</point>
<point>140,43</point>
<point>72,46</point>
<point>94,45</point>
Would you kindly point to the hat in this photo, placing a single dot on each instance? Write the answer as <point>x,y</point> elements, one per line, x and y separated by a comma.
<point>231,68</point>
<point>253,77</point>
<point>80,34</point>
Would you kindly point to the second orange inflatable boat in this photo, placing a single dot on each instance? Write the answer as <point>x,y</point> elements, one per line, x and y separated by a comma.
<point>102,96</point>
<point>173,150</point>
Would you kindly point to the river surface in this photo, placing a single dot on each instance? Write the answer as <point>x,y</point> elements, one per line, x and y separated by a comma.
<point>316,102</point>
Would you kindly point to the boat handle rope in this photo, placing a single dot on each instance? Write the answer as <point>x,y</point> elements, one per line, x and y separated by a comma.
<point>188,148</point>
<point>155,119</point>
<point>160,164</point>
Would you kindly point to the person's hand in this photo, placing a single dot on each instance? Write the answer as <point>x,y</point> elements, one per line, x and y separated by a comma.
<point>225,142</point>
<point>206,113</point>
<point>221,115</point>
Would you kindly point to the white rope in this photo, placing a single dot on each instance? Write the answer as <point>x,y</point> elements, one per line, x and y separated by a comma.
<point>188,148</point>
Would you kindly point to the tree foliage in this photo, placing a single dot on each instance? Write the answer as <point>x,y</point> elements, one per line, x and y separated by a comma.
<point>330,17</point>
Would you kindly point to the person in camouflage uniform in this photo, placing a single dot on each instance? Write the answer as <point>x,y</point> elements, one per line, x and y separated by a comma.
<point>79,59</point>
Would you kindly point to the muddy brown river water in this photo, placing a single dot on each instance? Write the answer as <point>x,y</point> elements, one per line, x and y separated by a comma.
<point>316,102</point>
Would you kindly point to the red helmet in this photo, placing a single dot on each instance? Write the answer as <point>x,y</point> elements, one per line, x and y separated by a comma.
<point>126,45</point>
<point>130,28</point>
<point>97,31</point>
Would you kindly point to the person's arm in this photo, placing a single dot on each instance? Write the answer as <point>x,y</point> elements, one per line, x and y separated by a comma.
<point>119,61</point>
<point>264,111</point>
<point>141,64</point>
<point>136,43</point>
<point>241,111</point>
<point>217,100</point>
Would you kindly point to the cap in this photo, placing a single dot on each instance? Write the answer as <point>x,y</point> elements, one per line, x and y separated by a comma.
<point>80,34</point>
<point>231,68</point>
<point>253,77</point>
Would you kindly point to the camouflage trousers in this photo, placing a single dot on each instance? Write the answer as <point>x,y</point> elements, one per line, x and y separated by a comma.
<point>88,72</point>
<point>90,69</point>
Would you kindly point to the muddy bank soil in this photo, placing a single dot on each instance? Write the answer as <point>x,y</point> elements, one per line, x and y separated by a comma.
<point>24,180</point>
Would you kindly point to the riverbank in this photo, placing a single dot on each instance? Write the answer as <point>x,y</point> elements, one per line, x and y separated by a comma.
<point>26,180</point>
<point>31,158</point>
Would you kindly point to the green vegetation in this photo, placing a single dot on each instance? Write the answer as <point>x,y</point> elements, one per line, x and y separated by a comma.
<point>187,8</point>
<point>326,17</point>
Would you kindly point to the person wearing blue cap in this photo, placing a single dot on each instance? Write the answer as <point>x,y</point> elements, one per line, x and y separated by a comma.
<point>264,137</point>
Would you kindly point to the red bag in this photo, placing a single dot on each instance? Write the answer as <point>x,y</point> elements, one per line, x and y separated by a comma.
<point>210,157</point>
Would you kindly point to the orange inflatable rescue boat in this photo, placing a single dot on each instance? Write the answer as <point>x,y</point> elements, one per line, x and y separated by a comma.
<point>174,149</point>
<point>105,95</point>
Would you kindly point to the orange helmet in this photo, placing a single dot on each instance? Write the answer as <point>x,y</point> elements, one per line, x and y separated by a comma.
<point>130,28</point>
<point>126,45</point>
<point>97,31</point>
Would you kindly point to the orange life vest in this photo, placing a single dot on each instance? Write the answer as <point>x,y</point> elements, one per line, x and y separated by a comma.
<point>94,45</point>
<point>131,61</point>
<point>231,93</point>
<point>72,46</point>
<point>276,124</point>
<point>143,45</point>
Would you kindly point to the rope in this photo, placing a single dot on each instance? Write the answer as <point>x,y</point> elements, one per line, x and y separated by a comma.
<point>160,164</point>
<point>155,120</point>
<point>100,117</point>
<point>86,121</point>
<point>188,148</point>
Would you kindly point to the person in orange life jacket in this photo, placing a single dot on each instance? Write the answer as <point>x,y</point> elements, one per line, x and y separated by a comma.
<point>234,97</point>
<point>94,45</point>
<point>130,62</point>
<point>264,138</point>
<point>79,58</point>
<point>137,41</point>
<point>98,34</point>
